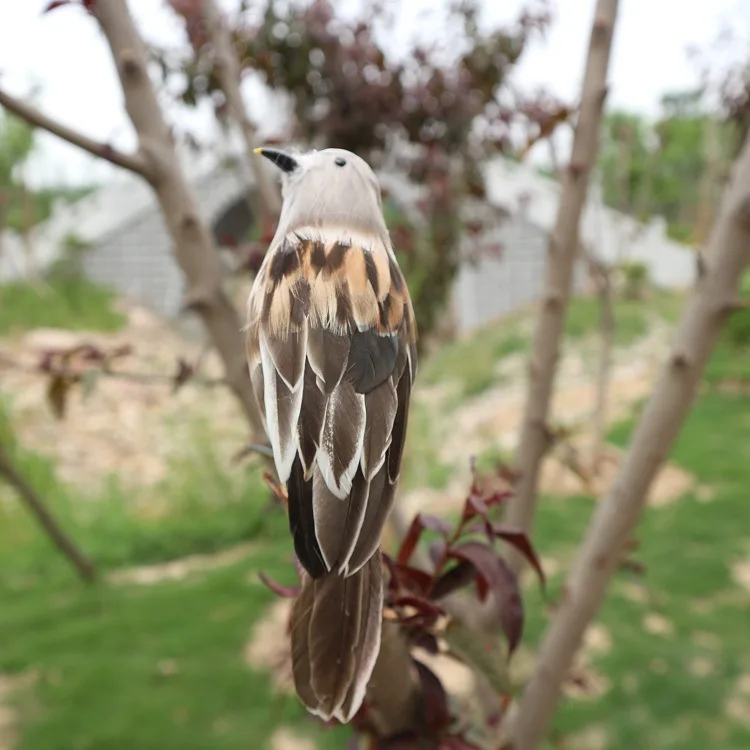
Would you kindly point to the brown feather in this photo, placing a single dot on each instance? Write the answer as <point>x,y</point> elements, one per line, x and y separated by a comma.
<point>310,422</point>
<point>368,643</point>
<point>381,496</point>
<point>328,354</point>
<point>333,637</point>
<point>380,411</point>
<point>288,354</point>
<point>337,522</point>
<point>341,438</point>
<point>300,637</point>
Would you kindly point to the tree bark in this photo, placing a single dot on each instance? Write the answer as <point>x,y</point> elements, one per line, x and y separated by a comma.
<point>194,247</point>
<point>227,70</point>
<point>35,504</point>
<point>563,246</point>
<point>713,299</point>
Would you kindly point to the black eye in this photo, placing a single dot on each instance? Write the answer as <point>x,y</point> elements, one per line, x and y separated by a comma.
<point>340,161</point>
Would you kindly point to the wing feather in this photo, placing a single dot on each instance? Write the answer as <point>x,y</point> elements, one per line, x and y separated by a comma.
<point>342,438</point>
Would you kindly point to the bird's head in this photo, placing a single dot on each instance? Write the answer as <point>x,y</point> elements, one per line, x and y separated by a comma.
<point>332,186</point>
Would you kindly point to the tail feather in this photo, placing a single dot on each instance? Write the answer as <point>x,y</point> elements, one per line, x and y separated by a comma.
<point>336,626</point>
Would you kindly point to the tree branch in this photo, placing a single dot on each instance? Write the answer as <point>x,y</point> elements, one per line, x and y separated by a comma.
<point>35,504</point>
<point>227,70</point>
<point>133,162</point>
<point>193,244</point>
<point>712,300</point>
<point>562,253</point>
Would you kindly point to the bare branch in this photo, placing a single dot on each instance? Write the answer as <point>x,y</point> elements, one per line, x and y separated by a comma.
<point>227,70</point>
<point>563,248</point>
<point>36,505</point>
<point>133,162</point>
<point>77,373</point>
<point>193,244</point>
<point>712,300</point>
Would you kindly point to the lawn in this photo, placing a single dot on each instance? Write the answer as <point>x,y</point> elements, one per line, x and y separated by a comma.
<point>673,685</point>
<point>157,667</point>
<point>59,301</point>
<point>152,666</point>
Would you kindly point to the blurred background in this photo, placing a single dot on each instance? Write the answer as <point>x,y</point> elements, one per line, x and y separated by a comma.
<point>122,446</point>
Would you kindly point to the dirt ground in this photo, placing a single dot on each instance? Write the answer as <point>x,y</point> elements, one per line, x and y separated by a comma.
<point>124,428</point>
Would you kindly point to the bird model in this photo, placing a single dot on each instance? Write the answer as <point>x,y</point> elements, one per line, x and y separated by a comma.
<point>331,350</point>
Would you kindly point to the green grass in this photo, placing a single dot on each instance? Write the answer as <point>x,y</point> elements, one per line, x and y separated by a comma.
<point>655,700</point>
<point>149,666</point>
<point>59,301</point>
<point>632,317</point>
<point>471,362</point>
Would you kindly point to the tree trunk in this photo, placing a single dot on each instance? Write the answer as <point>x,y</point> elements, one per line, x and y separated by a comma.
<point>713,299</point>
<point>194,247</point>
<point>563,249</point>
<point>35,504</point>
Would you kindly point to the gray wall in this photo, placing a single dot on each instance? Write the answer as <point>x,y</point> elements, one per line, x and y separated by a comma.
<point>493,287</point>
<point>136,259</point>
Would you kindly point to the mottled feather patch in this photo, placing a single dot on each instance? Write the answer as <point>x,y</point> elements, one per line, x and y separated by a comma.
<point>336,255</point>
<point>397,280</point>
<point>317,254</point>
<point>299,302</point>
<point>343,306</point>
<point>372,273</point>
<point>284,262</point>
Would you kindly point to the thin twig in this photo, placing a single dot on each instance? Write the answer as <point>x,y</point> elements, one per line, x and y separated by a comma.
<point>75,374</point>
<point>35,504</point>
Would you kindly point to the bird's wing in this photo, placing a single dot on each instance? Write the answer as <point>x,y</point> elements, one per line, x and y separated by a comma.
<point>331,351</point>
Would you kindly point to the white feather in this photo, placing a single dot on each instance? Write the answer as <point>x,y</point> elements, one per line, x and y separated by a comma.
<point>283,454</point>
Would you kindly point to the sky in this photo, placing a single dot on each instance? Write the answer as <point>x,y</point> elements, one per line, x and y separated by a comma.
<point>64,55</point>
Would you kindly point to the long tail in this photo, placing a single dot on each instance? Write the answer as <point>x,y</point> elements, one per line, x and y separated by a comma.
<point>336,626</point>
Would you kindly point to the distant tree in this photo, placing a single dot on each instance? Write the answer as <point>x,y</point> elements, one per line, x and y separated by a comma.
<point>448,115</point>
<point>658,168</point>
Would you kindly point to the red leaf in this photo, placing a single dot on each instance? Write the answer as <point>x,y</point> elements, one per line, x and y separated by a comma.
<point>288,592</point>
<point>436,712</point>
<point>501,581</point>
<point>56,4</point>
<point>422,606</point>
<point>455,578</point>
<point>482,588</point>
<point>474,506</point>
<point>421,522</point>
<point>436,551</point>
<point>412,578</point>
<point>522,543</point>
